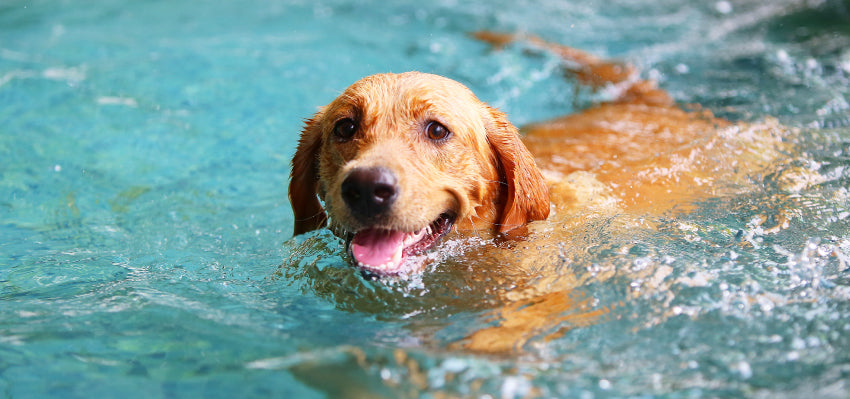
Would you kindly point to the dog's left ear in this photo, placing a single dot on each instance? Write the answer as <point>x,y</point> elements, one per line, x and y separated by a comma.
<point>527,193</point>
<point>304,179</point>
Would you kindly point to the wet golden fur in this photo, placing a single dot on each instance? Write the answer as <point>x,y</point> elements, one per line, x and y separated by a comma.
<point>644,153</point>
<point>638,154</point>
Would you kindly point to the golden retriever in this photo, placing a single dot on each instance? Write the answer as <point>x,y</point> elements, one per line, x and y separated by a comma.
<point>398,161</point>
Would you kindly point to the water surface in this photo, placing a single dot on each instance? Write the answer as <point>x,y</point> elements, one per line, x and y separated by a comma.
<point>145,234</point>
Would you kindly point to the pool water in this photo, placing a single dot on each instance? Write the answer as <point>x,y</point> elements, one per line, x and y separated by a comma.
<point>145,234</point>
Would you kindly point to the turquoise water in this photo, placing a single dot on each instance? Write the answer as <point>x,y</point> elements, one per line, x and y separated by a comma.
<point>145,234</point>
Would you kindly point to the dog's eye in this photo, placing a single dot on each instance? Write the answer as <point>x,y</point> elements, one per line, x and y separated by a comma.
<point>345,128</point>
<point>437,131</point>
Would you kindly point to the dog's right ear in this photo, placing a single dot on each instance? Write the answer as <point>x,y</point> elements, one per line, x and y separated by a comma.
<point>304,179</point>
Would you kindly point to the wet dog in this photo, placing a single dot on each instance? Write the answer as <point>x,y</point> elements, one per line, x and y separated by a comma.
<point>399,161</point>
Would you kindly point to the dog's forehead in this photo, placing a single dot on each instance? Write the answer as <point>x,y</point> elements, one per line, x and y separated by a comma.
<point>411,94</point>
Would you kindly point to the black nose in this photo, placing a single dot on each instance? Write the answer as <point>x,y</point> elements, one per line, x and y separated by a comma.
<point>369,192</point>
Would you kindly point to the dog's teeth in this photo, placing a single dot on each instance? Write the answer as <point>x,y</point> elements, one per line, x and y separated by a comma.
<point>381,267</point>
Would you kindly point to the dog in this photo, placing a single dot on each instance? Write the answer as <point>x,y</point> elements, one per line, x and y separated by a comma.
<point>398,163</point>
<point>402,160</point>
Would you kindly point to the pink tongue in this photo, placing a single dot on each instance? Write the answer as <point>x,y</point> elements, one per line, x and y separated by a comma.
<point>376,247</point>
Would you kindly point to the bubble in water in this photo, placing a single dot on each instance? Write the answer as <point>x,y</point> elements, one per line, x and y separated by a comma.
<point>743,368</point>
<point>723,7</point>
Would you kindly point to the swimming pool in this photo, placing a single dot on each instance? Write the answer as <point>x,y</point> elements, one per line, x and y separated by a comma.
<point>145,234</point>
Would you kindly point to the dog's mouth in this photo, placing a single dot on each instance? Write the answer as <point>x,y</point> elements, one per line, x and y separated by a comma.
<point>383,251</point>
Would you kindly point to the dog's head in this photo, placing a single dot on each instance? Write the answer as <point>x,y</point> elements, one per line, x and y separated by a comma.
<point>401,160</point>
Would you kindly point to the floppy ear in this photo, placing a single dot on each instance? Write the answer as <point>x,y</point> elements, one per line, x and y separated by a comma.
<point>527,196</point>
<point>304,179</point>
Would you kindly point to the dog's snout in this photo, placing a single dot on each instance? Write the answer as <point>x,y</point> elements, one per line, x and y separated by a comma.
<point>369,192</point>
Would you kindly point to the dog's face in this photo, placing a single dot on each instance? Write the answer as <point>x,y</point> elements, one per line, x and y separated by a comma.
<point>399,161</point>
